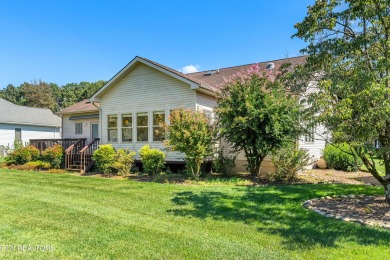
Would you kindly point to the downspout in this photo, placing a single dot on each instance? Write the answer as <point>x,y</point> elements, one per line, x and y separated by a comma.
<point>100,119</point>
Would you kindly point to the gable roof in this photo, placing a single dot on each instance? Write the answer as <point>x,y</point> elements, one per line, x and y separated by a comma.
<point>81,107</point>
<point>14,114</point>
<point>198,80</point>
<point>193,82</point>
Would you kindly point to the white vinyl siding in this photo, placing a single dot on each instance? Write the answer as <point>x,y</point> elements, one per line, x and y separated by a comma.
<point>145,89</point>
<point>204,100</point>
<point>68,130</point>
<point>7,133</point>
<point>316,147</point>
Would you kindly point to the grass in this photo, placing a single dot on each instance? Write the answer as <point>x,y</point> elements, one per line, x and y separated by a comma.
<point>97,218</point>
<point>379,166</point>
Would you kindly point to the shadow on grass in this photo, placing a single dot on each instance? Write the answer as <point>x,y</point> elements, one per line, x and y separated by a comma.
<point>277,210</point>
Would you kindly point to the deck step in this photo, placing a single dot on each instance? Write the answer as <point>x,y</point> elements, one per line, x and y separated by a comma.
<point>73,169</point>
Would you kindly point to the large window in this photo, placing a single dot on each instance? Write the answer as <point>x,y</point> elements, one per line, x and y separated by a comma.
<point>113,128</point>
<point>158,129</point>
<point>78,128</point>
<point>142,126</point>
<point>127,128</point>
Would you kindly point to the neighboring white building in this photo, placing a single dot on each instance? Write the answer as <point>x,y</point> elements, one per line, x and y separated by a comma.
<point>22,123</point>
<point>140,96</point>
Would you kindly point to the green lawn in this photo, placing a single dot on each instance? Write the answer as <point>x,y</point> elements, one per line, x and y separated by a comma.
<point>379,166</point>
<point>96,218</point>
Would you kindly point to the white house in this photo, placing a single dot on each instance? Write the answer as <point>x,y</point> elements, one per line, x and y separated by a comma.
<point>131,106</point>
<point>20,123</point>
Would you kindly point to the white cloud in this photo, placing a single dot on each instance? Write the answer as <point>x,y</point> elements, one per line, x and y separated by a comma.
<point>190,69</point>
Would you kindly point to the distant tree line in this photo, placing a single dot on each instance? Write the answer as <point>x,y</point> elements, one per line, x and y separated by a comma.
<point>49,95</point>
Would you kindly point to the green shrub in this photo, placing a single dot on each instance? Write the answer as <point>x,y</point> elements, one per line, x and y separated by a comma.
<point>124,160</point>
<point>22,155</point>
<point>104,158</point>
<point>224,164</point>
<point>54,155</point>
<point>36,165</point>
<point>153,160</point>
<point>288,162</point>
<point>339,157</point>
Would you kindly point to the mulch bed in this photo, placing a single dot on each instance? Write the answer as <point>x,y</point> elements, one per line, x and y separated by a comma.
<point>334,176</point>
<point>362,209</point>
<point>365,210</point>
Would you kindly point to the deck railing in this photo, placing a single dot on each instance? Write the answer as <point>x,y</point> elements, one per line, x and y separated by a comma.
<point>86,155</point>
<point>72,154</point>
<point>42,144</point>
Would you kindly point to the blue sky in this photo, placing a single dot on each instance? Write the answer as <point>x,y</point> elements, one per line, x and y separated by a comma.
<point>65,41</point>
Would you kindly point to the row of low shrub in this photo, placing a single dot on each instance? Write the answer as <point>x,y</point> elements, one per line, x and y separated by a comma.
<point>109,161</point>
<point>29,156</point>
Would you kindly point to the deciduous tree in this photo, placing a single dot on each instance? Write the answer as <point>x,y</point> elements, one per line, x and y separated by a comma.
<point>349,59</point>
<point>257,115</point>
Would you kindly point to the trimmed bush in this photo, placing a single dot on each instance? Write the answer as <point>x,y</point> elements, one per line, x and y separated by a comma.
<point>339,157</point>
<point>153,160</point>
<point>288,162</point>
<point>104,158</point>
<point>54,155</point>
<point>36,165</point>
<point>124,160</point>
<point>22,155</point>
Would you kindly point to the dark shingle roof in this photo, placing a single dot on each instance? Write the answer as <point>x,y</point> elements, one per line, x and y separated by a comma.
<point>217,79</point>
<point>14,114</point>
<point>80,107</point>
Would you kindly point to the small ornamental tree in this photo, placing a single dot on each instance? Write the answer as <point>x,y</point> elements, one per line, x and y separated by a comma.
<point>191,133</point>
<point>257,115</point>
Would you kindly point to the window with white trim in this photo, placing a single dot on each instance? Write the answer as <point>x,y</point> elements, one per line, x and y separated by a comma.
<point>158,128</point>
<point>78,128</point>
<point>127,127</point>
<point>142,126</point>
<point>112,130</point>
<point>309,136</point>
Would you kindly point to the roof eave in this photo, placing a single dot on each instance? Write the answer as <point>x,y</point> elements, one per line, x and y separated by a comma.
<point>129,66</point>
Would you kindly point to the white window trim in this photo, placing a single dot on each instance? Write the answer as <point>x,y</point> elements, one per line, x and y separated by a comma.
<point>75,128</point>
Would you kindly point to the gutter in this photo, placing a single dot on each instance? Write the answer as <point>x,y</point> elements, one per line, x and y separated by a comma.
<point>100,117</point>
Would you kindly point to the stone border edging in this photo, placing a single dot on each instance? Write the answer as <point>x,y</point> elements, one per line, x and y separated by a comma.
<point>308,205</point>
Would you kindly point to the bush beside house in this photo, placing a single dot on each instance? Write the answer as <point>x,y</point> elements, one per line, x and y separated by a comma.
<point>339,157</point>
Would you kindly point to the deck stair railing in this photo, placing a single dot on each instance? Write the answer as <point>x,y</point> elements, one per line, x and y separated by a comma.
<point>72,155</point>
<point>86,154</point>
